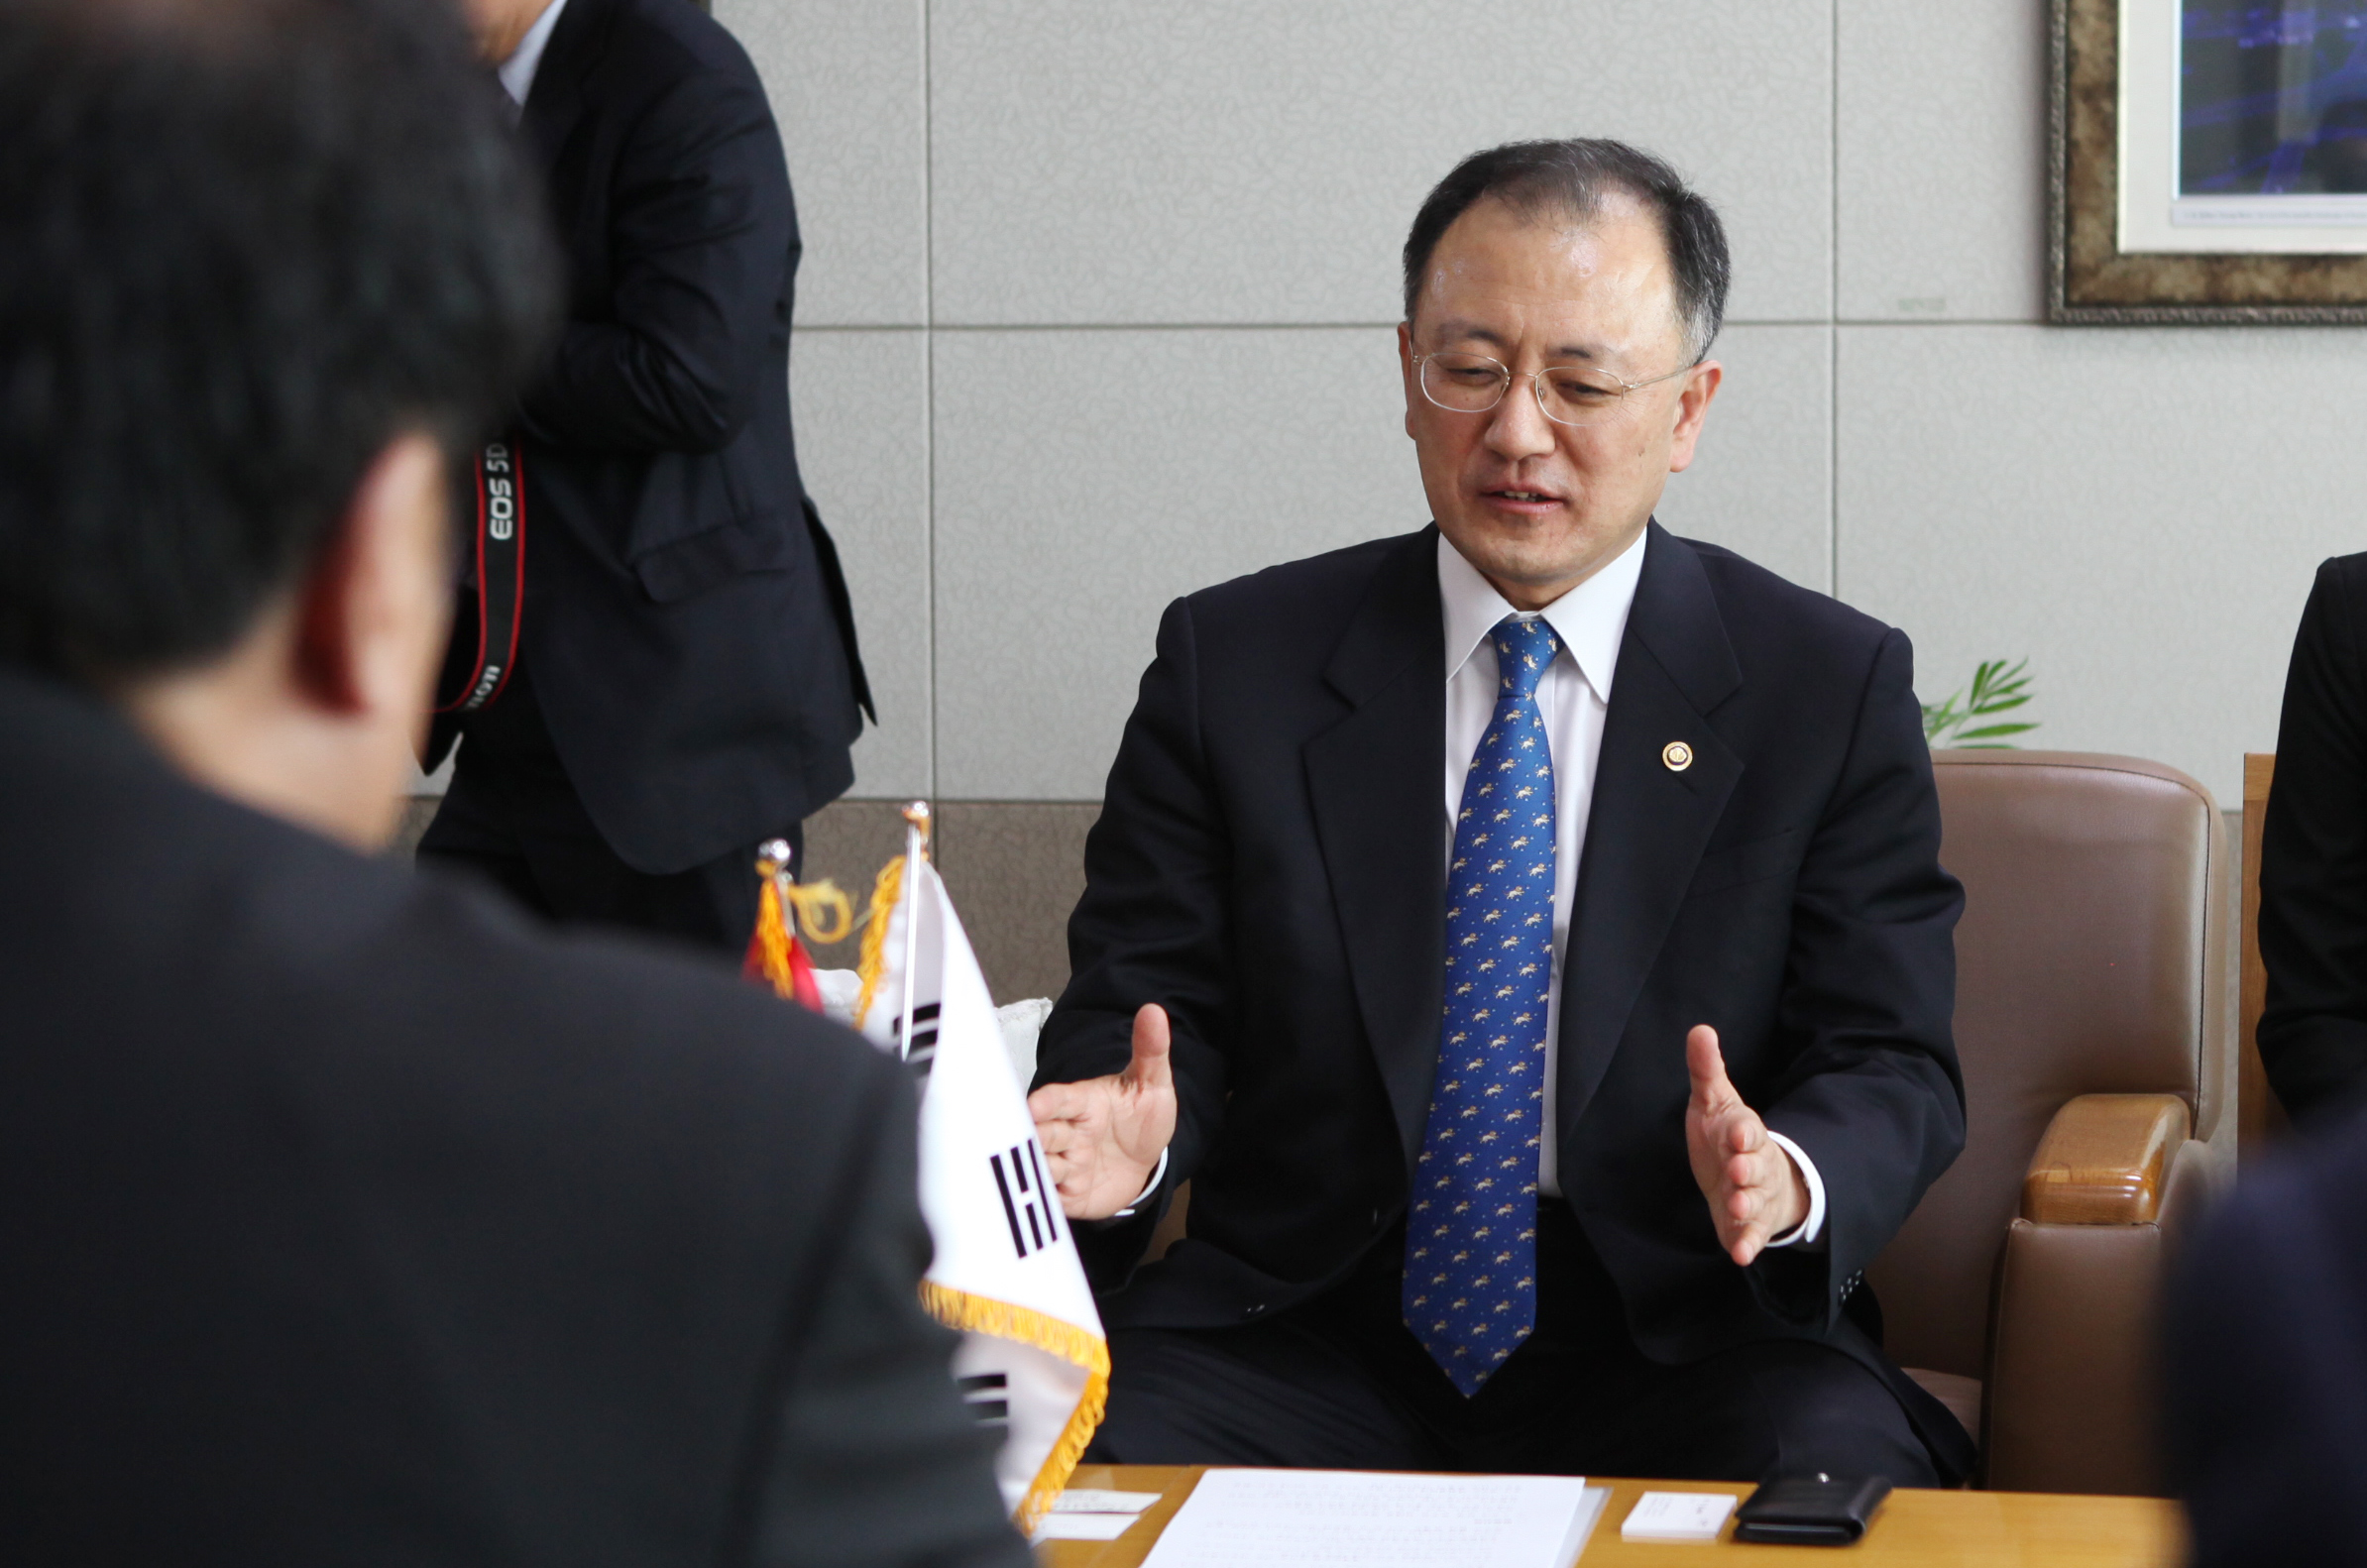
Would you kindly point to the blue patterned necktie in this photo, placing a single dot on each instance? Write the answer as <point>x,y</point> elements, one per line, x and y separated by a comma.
<point>1471,1239</point>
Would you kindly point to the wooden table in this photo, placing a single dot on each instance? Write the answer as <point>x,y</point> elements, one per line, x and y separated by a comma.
<point>1961,1529</point>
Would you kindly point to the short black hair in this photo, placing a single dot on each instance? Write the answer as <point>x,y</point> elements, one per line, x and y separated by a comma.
<point>1573,176</point>
<point>247,243</point>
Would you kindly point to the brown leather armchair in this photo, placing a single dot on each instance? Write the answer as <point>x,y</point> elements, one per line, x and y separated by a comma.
<point>2099,1076</point>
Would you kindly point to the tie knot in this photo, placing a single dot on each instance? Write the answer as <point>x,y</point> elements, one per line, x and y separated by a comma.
<point>1524,650</point>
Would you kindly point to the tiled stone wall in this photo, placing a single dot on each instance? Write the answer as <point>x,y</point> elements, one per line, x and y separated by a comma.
<point>1014,869</point>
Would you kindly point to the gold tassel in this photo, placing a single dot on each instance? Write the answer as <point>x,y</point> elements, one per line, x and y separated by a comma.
<point>768,954</point>
<point>873,967</point>
<point>815,900</point>
<point>783,907</point>
<point>980,1314</point>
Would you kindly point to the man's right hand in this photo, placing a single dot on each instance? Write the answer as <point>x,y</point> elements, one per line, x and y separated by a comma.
<point>1105,1136</point>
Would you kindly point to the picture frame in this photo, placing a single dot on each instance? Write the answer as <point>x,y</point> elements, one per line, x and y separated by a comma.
<point>2152,221</point>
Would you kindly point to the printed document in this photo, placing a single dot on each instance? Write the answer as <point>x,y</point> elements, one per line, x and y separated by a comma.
<point>1349,1518</point>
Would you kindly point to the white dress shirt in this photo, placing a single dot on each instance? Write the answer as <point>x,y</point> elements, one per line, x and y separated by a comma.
<point>1572,700</point>
<point>518,71</point>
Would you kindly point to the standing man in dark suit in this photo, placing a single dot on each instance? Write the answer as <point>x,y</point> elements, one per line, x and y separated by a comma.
<point>349,1218</point>
<point>2314,859</point>
<point>1546,1120</point>
<point>686,683</point>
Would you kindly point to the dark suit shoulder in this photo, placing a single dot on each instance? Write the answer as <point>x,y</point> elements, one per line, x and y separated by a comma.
<point>668,41</point>
<point>2326,656</point>
<point>593,1003</point>
<point>2345,573</point>
<point>568,1007</point>
<point>696,1071</point>
<point>1773,622</point>
<point>2337,604</point>
<point>1743,585</point>
<point>630,57</point>
<point>299,958</point>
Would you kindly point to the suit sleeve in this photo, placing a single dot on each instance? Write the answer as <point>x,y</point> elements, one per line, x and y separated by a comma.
<point>2314,860</point>
<point>1152,927</point>
<point>702,229</point>
<point>2264,1359</point>
<point>1872,1094</point>
<point>876,1462</point>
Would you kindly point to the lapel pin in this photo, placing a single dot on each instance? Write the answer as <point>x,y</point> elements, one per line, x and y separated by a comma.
<point>1678,756</point>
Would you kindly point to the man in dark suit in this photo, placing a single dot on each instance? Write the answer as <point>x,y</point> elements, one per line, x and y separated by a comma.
<point>2265,1360</point>
<point>686,682</point>
<point>349,1218</point>
<point>2314,859</point>
<point>1546,1120</point>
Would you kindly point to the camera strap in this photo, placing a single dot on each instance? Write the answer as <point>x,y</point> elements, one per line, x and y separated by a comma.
<point>500,562</point>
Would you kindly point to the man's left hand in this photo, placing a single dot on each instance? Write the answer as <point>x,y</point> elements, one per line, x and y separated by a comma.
<point>1754,1190</point>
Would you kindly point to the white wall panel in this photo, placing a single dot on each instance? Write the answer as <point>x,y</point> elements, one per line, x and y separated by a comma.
<point>1762,482</point>
<point>1084,479</point>
<point>861,400</point>
<point>1940,147</point>
<point>1235,160</point>
<point>2138,511</point>
<point>847,86</point>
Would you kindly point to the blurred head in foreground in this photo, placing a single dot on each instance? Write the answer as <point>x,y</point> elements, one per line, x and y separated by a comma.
<point>269,263</point>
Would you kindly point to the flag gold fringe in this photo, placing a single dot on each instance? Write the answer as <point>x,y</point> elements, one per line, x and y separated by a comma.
<point>885,894</point>
<point>982,1314</point>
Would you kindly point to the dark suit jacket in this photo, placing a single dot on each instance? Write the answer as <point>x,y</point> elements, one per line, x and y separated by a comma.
<point>1270,864</point>
<point>2313,856</point>
<point>349,1220</point>
<point>693,647</point>
<point>2267,1359</point>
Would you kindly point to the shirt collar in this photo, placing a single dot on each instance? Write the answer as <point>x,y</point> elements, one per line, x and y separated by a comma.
<point>518,71</point>
<point>1590,620</point>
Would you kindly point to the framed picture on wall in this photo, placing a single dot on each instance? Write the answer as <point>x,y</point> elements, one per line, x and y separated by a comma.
<point>2208,161</point>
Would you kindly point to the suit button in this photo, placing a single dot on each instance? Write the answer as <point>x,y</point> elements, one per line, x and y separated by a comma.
<point>1376,1219</point>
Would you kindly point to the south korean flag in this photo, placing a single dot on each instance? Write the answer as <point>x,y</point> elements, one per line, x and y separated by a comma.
<point>1033,1362</point>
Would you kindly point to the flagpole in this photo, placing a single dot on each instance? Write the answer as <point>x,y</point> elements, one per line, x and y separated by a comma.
<point>915,842</point>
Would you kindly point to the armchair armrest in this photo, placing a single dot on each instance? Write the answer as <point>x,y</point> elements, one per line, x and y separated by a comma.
<point>2071,1389</point>
<point>2105,1160</point>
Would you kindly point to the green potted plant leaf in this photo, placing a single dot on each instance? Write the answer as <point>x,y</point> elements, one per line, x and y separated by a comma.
<point>1996,690</point>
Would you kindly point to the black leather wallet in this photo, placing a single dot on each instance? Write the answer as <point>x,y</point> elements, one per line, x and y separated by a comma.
<point>1811,1510</point>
